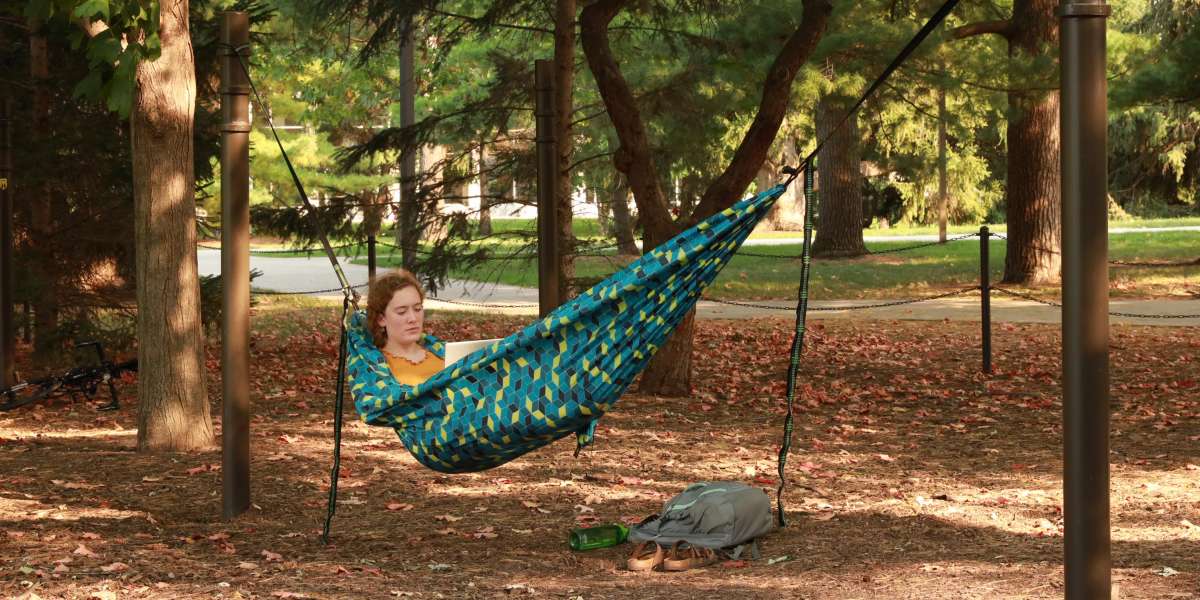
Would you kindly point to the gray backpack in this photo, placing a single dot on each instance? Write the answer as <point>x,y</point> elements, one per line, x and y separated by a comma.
<point>719,515</point>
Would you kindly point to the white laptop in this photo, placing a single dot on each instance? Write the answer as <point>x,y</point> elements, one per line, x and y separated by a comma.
<point>457,350</point>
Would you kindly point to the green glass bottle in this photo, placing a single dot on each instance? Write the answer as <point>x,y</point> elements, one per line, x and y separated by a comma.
<point>601,536</point>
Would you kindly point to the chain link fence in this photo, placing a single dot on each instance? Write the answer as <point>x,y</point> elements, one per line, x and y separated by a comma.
<point>597,251</point>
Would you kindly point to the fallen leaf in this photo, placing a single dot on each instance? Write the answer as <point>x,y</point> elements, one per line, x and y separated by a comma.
<point>399,506</point>
<point>71,485</point>
<point>249,566</point>
<point>115,567</point>
<point>448,518</point>
<point>83,551</point>
<point>487,533</point>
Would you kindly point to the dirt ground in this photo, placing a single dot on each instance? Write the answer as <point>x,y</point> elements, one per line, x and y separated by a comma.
<point>911,476</point>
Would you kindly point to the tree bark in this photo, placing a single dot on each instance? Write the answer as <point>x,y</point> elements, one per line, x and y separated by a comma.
<point>485,199</point>
<point>1033,197</point>
<point>173,410</point>
<point>788,212</point>
<point>943,176</point>
<point>408,235</point>
<point>840,217</point>
<point>622,219</point>
<point>564,88</point>
<point>1032,194</point>
<point>669,373</point>
<point>41,206</point>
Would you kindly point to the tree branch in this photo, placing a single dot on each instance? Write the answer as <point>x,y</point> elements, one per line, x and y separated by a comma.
<point>632,157</point>
<point>777,92</point>
<point>1001,27</point>
<point>479,20</point>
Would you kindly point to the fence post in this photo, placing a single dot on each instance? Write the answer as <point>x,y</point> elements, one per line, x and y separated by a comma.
<point>235,265</point>
<point>547,156</point>
<point>985,299</point>
<point>371,257</point>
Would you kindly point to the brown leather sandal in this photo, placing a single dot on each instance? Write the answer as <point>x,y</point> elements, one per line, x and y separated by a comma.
<point>645,558</point>
<point>682,557</point>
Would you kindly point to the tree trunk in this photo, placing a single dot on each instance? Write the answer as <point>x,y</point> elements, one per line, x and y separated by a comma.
<point>943,176</point>
<point>788,212</point>
<point>41,207</point>
<point>1033,197</point>
<point>840,216</point>
<point>1032,194</point>
<point>485,199</point>
<point>173,410</point>
<point>669,373</point>
<point>767,176</point>
<point>622,220</point>
<point>603,210</point>
<point>564,87</point>
<point>408,235</point>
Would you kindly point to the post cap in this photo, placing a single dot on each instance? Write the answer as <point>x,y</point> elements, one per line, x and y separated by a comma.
<point>1084,9</point>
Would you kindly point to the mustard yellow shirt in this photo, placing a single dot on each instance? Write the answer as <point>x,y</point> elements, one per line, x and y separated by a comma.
<point>408,372</point>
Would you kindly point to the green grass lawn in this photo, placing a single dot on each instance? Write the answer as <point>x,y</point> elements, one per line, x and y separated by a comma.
<point>898,275</point>
<point>901,275</point>
<point>589,229</point>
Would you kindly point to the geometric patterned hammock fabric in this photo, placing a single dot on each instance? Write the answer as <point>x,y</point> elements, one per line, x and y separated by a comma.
<point>558,375</point>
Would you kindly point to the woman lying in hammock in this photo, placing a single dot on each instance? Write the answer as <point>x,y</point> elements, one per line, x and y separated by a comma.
<point>396,317</point>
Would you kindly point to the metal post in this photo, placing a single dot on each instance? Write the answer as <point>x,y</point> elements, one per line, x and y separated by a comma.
<point>1086,410</point>
<point>985,298</point>
<point>8,332</point>
<point>235,264</point>
<point>547,157</point>
<point>371,256</point>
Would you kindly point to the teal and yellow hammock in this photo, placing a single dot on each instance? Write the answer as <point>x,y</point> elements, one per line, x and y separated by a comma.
<point>558,375</point>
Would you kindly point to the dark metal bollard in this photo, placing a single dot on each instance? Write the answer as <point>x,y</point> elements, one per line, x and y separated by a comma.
<point>235,265</point>
<point>547,155</point>
<point>1087,542</point>
<point>371,257</point>
<point>985,299</point>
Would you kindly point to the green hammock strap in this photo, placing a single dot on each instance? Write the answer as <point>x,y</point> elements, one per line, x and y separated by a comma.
<point>338,416</point>
<point>798,340</point>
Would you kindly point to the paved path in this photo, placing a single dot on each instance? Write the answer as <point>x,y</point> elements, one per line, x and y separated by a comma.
<point>301,274</point>
<point>933,237</point>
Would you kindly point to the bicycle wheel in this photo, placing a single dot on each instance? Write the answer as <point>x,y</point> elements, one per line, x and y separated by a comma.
<point>24,394</point>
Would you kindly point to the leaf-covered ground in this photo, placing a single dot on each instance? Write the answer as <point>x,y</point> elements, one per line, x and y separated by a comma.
<point>912,476</point>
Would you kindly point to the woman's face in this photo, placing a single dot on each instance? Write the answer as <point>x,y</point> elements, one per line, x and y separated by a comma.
<point>404,317</point>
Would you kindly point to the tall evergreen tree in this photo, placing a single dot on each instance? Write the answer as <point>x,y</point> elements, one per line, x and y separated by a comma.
<point>1032,197</point>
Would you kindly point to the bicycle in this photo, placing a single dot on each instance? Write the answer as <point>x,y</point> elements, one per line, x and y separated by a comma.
<point>84,380</point>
